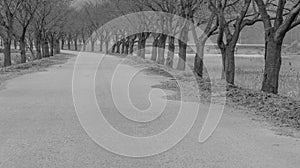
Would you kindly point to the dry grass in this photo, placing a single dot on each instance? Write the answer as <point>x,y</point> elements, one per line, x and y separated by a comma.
<point>33,66</point>
<point>282,110</point>
<point>249,73</point>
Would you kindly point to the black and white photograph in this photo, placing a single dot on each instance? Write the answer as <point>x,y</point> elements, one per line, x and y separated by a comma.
<point>149,83</point>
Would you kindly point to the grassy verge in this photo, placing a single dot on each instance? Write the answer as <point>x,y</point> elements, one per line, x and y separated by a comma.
<point>279,110</point>
<point>30,67</point>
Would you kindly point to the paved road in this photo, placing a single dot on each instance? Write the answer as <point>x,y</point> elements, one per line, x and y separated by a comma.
<point>39,128</point>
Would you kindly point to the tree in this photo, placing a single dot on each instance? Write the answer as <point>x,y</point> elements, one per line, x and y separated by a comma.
<point>141,21</point>
<point>73,27</point>
<point>187,9</point>
<point>24,17</point>
<point>49,16</point>
<point>168,24</point>
<point>210,22</point>
<point>95,14</point>
<point>8,10</point>
<point>278,18</point>
<point>173,26</point>
<point>233,16</point>
<point>164,24</point>
<point>162,38</point>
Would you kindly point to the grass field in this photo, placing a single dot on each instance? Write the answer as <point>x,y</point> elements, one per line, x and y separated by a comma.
<point>250,67</point>
<point>249,74</point>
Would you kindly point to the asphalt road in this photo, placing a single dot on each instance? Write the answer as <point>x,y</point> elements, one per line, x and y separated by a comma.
<point>39,128</point>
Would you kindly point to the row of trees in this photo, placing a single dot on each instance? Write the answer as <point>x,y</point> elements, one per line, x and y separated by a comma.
<point>35,24</point>
<point>222,18</point>
<point>42,25</point>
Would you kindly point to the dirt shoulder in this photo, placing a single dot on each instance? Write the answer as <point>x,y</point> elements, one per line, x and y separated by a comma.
<point>30,67</point>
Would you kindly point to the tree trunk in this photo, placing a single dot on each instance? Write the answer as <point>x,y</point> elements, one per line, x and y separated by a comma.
<point>198,63</point>
<point>223,57</point>
<point>123,47</point>
<point>83,41</point>
<point>23,49</point>
<point>15,44</point>
<point>52,45</point>
<point>126,46</point>
<point>69,44</point>
<point>23,46</point>
<point>7,40</point>
<point>230,64</point>
<point>142,48</point>
<point>38,45</point>
<point>107,47</point>
<point>46,49</point>
<point>38,49</point>
<point>7,52</point>
<point>272,66</point>
<point>154,49</point>
<point>161,49</point>
<point>171,52</point>
<point>131,48</point>
<point>101,44</point>
<point>92,45</point>
<point>131,44</point>
<point>183,39</point>
<point>76,44</point>
<point>31,48</point>
<point>84,45</point>
<point>118,45</point>
<point>142,39</point>
<point>182,55</point>
<point>51,50</point>
<point>113,49</point>
<point>56,46</point>
<point>62,43</point>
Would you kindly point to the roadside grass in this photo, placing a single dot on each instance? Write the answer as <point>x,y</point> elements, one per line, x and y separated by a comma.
<point>13,71</point>
<point>282,111</point>
<point>249,74</point>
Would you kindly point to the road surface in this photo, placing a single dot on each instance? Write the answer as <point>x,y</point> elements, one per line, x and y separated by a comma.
<point>39,128</point>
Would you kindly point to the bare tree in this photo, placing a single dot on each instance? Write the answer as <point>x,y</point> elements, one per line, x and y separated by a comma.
<point>285,14</point>
<point>24,17</point>
<point>49,15</point>
<point>163,23</point>
<point>8,10</point>
<point>233,16</point>
<point>187,9</point>
<point>209,21</point>
<point>173,27</point>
